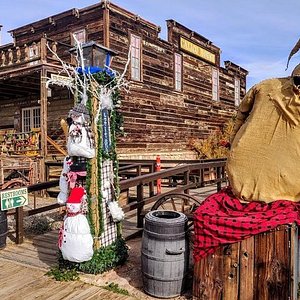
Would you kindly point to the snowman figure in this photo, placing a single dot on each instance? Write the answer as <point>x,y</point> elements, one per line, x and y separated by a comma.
<point>80,139</point>
<point>63,181</point>
<point>75,239</point>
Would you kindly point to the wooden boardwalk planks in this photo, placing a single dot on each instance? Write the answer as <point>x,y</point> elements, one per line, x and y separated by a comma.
<point>27,283</point>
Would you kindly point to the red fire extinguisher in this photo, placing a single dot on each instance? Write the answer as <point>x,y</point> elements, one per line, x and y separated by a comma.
<point>157,169</point>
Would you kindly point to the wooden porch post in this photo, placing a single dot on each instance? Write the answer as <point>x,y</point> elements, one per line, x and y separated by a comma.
<point>105,6</point>
<point>43,50</point>
<point>43,103</point>
<point>94,186</point>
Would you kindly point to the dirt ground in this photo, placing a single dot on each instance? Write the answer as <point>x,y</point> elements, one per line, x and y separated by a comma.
<point>129,276</point>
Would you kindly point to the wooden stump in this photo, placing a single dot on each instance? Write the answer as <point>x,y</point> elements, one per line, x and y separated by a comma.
<point>262,267</point>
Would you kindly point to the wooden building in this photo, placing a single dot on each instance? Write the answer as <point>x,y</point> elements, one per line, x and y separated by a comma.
<point>178,88</point>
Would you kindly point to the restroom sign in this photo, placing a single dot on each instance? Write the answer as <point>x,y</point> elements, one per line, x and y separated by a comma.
<point>13,198</point>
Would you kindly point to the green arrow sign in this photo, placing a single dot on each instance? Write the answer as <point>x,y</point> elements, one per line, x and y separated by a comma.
<point>13,198</point>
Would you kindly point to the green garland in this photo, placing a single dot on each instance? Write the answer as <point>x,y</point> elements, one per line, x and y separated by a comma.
<point>99,176</point>
<point>104,259</point>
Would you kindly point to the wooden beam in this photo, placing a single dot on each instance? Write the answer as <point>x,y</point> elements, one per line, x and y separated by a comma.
<point>16,90</point>
<point>56,146</point>
<point>19,225</point>
<point>106,23</point>
<point>94,186</point>
<point>13,87</point>
<point>44,113</point>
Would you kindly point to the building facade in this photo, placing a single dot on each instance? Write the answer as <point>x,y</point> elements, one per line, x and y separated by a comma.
<point>178,88</point>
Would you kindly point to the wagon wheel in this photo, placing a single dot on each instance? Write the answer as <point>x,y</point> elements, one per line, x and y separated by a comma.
<point>14,183</point>
<point>182,203</point>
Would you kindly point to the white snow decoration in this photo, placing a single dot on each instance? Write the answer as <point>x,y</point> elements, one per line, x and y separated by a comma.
<point>79,142</point>
<point>63,182</point>
<point>106,99</point>
<point>83,84</point>
<point>106,185</point>
<point>77,241</point>
<point>105,194</point>
<point>116,211</point>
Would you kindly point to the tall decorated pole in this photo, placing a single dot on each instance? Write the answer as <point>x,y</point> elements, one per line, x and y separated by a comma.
<point>89,181</point>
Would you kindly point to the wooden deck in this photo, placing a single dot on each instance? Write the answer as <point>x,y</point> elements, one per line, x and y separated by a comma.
<point>39,252</point>
<point>21,282</point>
<point>23,267</point>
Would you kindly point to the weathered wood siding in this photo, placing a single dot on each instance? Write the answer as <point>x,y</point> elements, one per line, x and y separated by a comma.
<point>157,117</point>
<point>61,26</point>
<point>58,106</point>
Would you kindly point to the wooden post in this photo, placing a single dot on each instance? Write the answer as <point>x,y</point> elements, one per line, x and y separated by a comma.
<point>140,200</point>
<point>43,49</point>
<point>106,21</point>
<point>1,172</point>
<point>94,188</point>
<point>219,179</point>
<point>151,184</point>
<point>187,181</point>
<point>19,225</point>
<point>44,117</point>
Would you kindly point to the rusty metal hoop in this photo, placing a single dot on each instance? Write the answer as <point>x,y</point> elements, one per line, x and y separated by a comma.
<point>184,203</point>
<point>14,183</point>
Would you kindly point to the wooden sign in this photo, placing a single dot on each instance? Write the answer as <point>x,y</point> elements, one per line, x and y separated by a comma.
<point>106,130</point>
<point>197,50</point>
<point>13,198</point>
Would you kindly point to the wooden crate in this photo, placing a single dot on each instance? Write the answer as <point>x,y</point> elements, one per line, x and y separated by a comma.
<point>262,267</point>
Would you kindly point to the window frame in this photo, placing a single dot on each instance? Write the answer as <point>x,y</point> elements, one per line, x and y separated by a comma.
<point>76,32</point>
<point>237,91</point>
<point>32,118</point>
<point>178,74</point>
<point>137,68</point>
<point>215,84</point>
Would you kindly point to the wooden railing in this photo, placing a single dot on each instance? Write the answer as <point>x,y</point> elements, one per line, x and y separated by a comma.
<point>20,213</point>
<point>192,175</point>
<point>35,52</point>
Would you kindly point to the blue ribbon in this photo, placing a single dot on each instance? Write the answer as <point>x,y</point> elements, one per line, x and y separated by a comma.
<point>93,70</point>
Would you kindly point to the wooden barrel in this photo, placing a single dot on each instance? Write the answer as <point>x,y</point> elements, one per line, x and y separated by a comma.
<point>165,253</point>
<point>3,229</point>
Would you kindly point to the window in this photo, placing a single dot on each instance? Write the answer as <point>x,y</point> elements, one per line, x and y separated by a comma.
<point>237,91</point>
<point>178,72</point>
<point>215,84</point>
<point>135,56</point>
<point>31,118</point>
<point>80,36</point>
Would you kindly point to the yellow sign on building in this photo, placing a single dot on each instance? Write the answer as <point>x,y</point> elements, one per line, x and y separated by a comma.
<point>197,50</point>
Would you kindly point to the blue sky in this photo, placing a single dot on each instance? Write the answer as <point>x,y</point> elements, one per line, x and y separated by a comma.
<point>257,35</point>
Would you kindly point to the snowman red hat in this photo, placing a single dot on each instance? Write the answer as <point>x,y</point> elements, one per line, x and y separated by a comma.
<point>76,195</point>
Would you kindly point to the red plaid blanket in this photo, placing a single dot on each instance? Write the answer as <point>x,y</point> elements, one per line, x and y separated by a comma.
<point>223,219</point>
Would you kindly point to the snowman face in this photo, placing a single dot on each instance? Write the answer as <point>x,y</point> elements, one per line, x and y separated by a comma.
<point>73,207</point>
<point>78,119</point>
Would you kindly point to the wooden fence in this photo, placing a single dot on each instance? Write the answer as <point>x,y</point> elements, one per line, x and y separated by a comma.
<point>192,175</point>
